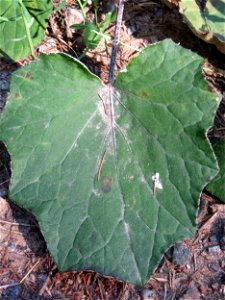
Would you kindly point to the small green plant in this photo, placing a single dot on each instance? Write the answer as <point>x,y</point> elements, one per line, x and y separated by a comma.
<point>93,32</point>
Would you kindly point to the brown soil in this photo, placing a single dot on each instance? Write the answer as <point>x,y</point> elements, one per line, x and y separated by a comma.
<point>192,269</point>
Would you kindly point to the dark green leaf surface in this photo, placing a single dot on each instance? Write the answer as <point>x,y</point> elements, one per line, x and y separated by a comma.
<point>61,138</point>
<point>217,186</point>
<point>207,20</point>
<point>13,39</point>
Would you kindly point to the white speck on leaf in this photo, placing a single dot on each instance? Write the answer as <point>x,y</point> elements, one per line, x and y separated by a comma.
<point>127,228</point>
<point>157,183</point>
<point>47,125</point>
<point>130,178</point>
<point>96,193</point>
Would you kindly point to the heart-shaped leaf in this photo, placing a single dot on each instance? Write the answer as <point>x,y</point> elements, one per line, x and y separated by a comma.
<point>112,186</point>
<point>217,186</point>
<point>19,21</point>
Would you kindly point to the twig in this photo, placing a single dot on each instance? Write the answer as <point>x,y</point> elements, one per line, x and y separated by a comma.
<point>101,164</point>
<point>31,270</point>
<point>44,287</point>
<point>116,41</point>
<point>11,231</point>
<point>6,286</point>
<point>16,224</point>
<point>24,278</point>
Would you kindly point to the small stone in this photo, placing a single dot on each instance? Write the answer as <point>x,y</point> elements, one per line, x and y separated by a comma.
<point>159,12</point>
<point>32,277</point>
<point>4,85</point>
<point>222,290</point>
<point>192,293</point>
<point>222,242</point>
<point>214,249</point>
<point>3,192</point>
<point>169,294</point>
<point>147,294</point>
<point>188,266</point>
<point>214,266</point>
<point>181,254</point>
<point>107,6</point>
<point>220,278</point>
<point>43,277</point>
<point>12,246</point>
<point>131,29</point>
<point>214,238</point>
<point>215,286</point>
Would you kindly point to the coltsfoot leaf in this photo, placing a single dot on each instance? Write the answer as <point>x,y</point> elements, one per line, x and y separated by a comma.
<point>112,186</point>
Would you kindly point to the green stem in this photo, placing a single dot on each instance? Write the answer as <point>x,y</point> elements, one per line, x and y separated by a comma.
<point>108,38</point>
<point>27,29</point>
<point>83,54</point>
<point>96,16</point>
<point>82,9</point>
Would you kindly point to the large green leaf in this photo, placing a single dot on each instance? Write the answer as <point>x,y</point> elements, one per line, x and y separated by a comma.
<point>90,176</point>
<point>206,19</point>
<point>14,40</point>
<point>217,186</point>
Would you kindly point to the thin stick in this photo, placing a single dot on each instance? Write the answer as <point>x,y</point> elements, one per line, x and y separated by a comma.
<point>31,270</point>
<point>101,164</point>
<point>41,260</point>
<point>103,103</point>
<point>16,224</point>
<point>116,41</point>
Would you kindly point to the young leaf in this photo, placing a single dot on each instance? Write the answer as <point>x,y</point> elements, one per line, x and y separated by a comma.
<point>93,33</point>
<point>110,17</point>
<point>14,40</point>
<point>28,21</point>
<point>112,186</point>
<point>217,186</point>
<point>60,6</point>
<point>91,38</point>
<point>78,26</point>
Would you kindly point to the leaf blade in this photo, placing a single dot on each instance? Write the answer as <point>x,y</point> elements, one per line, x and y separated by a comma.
<point>13,40</point>
<point>217,185</point>
<point>116,225</point>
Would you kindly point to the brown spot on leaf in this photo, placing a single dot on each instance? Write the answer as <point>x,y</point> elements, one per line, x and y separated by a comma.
<point>145,94</point>
<point>27,75</point>
<point>17,96</point>
<point>106,185</point>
